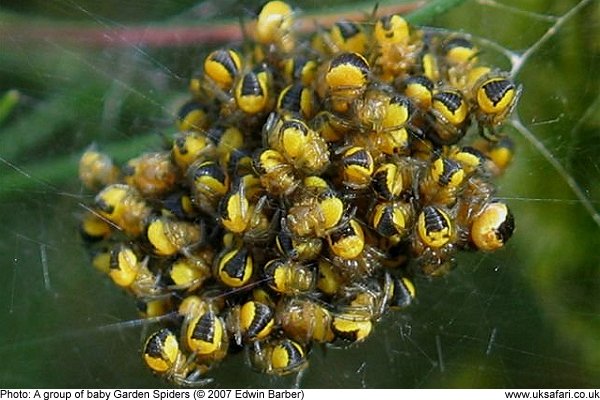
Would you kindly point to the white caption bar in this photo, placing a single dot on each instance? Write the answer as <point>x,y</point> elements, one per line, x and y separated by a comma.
<point>302,394</point>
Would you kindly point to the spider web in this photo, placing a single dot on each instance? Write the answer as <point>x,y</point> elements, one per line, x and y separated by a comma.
<point>527,316</point>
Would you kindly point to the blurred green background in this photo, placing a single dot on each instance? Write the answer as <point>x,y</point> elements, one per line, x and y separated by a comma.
<point>527,316</point>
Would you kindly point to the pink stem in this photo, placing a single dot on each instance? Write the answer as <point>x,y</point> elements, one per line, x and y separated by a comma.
<point>155,36</point>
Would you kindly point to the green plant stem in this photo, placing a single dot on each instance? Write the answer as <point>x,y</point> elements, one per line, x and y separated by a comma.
<point>48,176</point>
<point>430,10</point>
<point>41,124</point>
<point>8,103</point>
